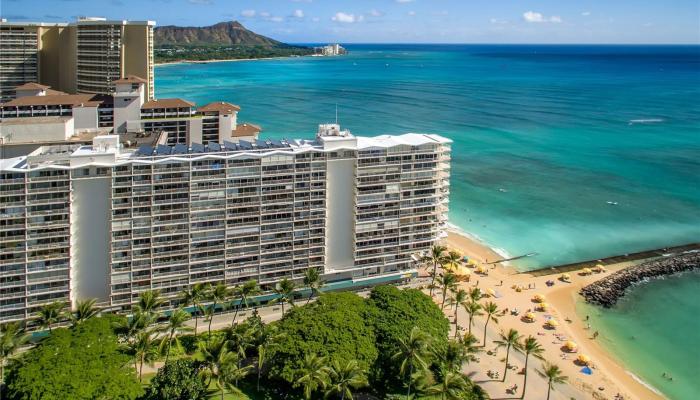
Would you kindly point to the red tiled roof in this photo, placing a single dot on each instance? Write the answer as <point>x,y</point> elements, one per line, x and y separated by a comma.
<point>130,79</point>
<point>167,103</point>
<point>32,86</point>
<point>220,107</point>
<point>55,100</point>
<point>246,129</point>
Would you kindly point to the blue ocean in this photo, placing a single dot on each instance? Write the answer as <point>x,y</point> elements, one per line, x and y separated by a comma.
<point>570,152</point>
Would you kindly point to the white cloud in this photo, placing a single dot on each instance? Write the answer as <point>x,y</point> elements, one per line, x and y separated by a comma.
<point>264,14</point>
<point>405,1</point>
<point>298,14</point>
<point>531,16</point>
<point>248,13</point>
<point>375,13</point>
<point>586,13</point>
<point>347,18</point>
<point>498,21</point>
<point>276,19</point>
<point>411,13</point>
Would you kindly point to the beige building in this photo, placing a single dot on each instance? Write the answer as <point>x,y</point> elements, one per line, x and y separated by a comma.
<point>82,57</point>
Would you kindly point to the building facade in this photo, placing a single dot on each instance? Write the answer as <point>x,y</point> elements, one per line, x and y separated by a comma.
<point>86,56</point>
<point>102,222</point>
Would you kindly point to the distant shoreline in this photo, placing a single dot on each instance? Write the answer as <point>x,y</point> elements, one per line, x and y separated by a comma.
<point>218,60</point>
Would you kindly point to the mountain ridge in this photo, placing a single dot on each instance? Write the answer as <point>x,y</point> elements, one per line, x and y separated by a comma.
<point>222,33</point>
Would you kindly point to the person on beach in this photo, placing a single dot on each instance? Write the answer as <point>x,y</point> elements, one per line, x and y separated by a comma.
<point>595,334</point>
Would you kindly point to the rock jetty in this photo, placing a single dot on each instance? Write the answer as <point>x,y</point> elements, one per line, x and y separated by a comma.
<point>607,291</point>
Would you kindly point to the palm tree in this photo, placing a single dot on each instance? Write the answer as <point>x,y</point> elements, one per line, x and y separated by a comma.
<point>239,339</point>
<point>450,386</point>
<point>413,353</point>
<point>285,292</point>
<point>175,326</point>
<point>529,346</point>
<point>473,309</point>
<point>50,314</point>
<point>453,259</point>
<point>452,356</point>
<point>447,281</point>
<point>149,301</point>
<point>475,294</point>
<point>12,337</point>
<point>313,281</point>
<point>84,310</point>
<point>436,257</point>
<point>490,309</point>
<point>144,350</point>
<point>232,372</point>
<point>459,299</point>
<point>129,327</point>
<point>193,296</point>
<point>345,377</point>
<point>553,375</point>
<point>267,338</point>
<point>509,339</point>
<point>216,359</point>
<point>313,375</point>
<point>246,291</point>
<point>468,341</point>
<point>217,295</point>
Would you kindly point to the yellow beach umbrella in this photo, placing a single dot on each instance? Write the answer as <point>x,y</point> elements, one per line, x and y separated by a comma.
<point>543,306</point>
<point>566,277</point>
<point>530,316</point>
<point>586,271</point>
<point>461,270</point>
<point>583,359</point>
<point>480,269</point>
<point>571,345</point>
<point>538,298</point>
<point>491,292</point>
<point>552,323</point>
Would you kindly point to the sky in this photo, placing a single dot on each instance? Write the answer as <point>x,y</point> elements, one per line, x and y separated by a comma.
<point>402,21</point>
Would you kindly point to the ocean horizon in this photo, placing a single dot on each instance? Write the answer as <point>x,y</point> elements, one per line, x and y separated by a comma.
<point>573,152</point>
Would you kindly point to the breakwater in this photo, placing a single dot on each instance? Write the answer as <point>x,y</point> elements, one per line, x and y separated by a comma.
<point>607,291</point>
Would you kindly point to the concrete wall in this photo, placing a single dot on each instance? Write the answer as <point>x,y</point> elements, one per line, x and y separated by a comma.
<point>194,131</point>
<point>226,125</point>
<point>340,219</point>
<point>59,129</point>
<point>57,57</point>
<point>86,118</point>
<point>90,239</point>
<point>126,108</point>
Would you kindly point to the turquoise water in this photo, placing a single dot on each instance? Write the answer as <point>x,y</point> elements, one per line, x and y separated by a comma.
<point>553,126</point>
<point>654,329</point>
<point>561,130</point>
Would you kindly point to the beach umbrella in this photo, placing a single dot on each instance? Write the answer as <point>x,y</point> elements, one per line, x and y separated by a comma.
<point>552,323</point>
<point>491,292</point>
<point>566,277</point>
<point>543,306</point>
<point>538,298</point>
<point>571,346</point>
<point>530,316</point>
<point>586,271</point>
<point>480,269</point>
<point>583,359</point>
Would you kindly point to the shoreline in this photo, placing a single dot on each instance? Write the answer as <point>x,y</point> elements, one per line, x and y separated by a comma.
<point>610,372</point>
<point>219,60</point>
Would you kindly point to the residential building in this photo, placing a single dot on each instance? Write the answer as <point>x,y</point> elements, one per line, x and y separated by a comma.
<point>86,56</point>
<point>101,221</point>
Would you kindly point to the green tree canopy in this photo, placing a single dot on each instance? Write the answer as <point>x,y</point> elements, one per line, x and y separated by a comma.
<point>337,327</point>
<point>178,380</point>
<point>83,362</point>
<point>396,313</point>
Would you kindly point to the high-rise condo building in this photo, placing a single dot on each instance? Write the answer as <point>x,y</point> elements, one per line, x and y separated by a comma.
<point>100,221</point>
<point>86,56</point>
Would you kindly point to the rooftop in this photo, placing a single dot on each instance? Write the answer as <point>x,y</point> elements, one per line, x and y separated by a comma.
<point>130,79</point>
<point>220,107</point>
<point>167,103</point>
<point>246,129</point>
<point>32,86</point>
<point>57,99</point>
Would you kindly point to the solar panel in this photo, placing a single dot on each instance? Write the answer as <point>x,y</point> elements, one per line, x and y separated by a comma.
<point>230,145</point>
<point>163,150</point>
<point>198,148</point>
<point>180,149</point>
<point>261,144</point>
<point>277,143</point>
<point>214,146</point>
<point>145,150</point>
<point>245,145</point>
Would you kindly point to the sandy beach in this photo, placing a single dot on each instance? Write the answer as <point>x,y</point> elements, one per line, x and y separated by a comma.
<point>609,377</point>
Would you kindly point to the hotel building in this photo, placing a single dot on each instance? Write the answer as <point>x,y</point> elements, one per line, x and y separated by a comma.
<point>101,221</point>
<point>83,57</point>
